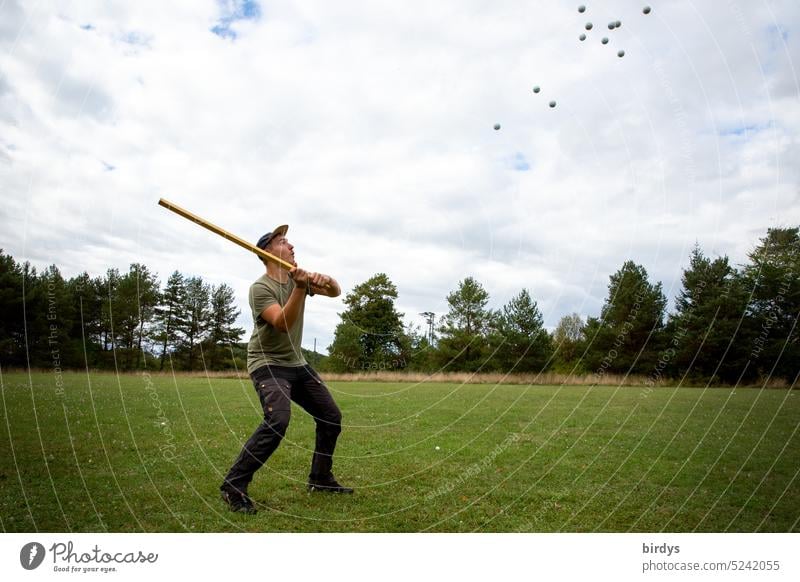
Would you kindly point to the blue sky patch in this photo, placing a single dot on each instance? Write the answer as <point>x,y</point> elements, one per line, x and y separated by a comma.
<point>774,32</point>
<point>233,11</point>
<point>137,39</point>
<point>744,130</point>
<point>519,163</point>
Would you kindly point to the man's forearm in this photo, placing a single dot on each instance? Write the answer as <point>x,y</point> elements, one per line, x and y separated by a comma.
<point>329,287</point>
<point>294,305</point>
<point>333,288</point>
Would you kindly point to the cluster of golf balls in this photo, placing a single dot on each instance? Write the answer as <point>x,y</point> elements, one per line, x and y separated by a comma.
<point>614,24</point>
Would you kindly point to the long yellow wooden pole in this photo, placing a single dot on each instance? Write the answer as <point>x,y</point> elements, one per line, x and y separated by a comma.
<point>224,234</point>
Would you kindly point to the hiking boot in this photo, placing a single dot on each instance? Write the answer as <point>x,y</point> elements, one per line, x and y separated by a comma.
<point>327,484</point>
<point>238,502</point>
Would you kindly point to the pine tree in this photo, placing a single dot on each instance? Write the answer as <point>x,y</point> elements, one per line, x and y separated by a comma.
<point>36,352</point>
<point>59,318</point>
<point>195,327</point>
<point>87,322</point>
<point>627,337</point>
<point>170,314</point>
<point>12,328</point>
<point>464,329</point>
<point>108,285</point>
<point>524,344</point>
<point>708,334</point>
<point>133,303</point>
<point>773,276</point>
<point>147,295</point>
<point>221,329</point>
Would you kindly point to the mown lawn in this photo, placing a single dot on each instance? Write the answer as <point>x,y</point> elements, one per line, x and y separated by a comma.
<point>135,453</point>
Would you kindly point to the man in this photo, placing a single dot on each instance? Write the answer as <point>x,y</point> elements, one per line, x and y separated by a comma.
<point>281,374</point>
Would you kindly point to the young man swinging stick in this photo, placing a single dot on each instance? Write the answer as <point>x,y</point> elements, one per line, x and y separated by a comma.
<point>281,374</point>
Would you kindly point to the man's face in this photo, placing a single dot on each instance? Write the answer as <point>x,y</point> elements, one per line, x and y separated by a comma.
<point>281,248</point>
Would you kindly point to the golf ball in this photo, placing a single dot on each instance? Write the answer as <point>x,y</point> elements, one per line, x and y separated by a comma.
<point>588,26</point>
<point>536,89</point>
<point>552,104</point>
<point>605,40</point>
<point>646,10</point>
<point>611,25</point>
<point>618,23</point>
<point>582,37</point>
<point>581,8</point>
<point>621,54</point>
<point>437,448</point>
<point>496,126</point>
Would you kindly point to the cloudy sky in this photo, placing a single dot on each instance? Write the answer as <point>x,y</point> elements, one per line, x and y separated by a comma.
<point>367,126</point>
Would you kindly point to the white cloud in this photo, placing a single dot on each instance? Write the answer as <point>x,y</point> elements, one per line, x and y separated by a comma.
<point>367,126</point>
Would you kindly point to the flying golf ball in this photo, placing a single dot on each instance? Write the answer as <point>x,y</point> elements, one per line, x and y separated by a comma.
<point>646,10</point>
<point>552,104</point>
<point>581,8</point>
<point>605,40</point>
<point>588,26</point>
<point>618,23</point>
<point>536,89</point>
<point>582,37</point>
<point>621,54</point>
<point>496,126</point>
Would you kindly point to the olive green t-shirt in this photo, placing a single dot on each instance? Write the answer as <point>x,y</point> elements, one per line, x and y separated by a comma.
<point>269,346</point>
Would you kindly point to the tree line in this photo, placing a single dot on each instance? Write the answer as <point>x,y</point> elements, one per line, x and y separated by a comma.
<point>729,325</point>
<point>118,320</point>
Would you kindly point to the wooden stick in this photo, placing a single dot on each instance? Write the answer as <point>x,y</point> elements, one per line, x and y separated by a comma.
<point>225,234</point>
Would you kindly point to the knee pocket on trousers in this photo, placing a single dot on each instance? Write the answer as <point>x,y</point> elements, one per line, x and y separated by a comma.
<point>274,394</point>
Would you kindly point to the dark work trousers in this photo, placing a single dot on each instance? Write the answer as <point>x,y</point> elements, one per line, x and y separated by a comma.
<point>276,387</point>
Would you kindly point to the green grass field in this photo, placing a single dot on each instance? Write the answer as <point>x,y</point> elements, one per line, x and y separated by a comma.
<point>133,453</point>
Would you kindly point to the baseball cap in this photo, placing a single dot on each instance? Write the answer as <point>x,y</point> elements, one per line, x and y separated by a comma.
<point>264,240</point>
